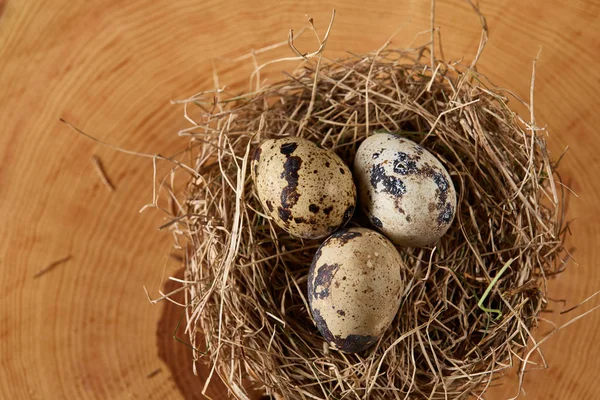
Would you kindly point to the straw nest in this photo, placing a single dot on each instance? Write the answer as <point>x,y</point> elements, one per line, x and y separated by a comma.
<point>473,298</point>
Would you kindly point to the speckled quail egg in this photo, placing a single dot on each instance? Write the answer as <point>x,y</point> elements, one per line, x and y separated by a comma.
<point>307,190</point>
<point>404,190</point>
<point>355,285</point>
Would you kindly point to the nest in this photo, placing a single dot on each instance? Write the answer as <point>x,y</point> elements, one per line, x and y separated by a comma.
<point>473,298</point>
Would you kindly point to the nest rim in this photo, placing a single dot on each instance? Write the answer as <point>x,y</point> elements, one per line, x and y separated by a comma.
<point>268,341</point>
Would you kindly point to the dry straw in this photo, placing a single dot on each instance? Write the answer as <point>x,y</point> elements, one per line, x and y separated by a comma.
<point>472,300</point>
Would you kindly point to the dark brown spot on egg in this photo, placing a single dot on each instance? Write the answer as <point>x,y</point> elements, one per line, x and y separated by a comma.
<point>376,221</point>
<point>313,208</point>
<point>391,184</point>
<point>443,186</point>
<point>404,164</point>
<point>419,149</point>
<point>322,282</point>
<point>284,214</point>
<point>399,207</point>
<point>256,155</point>
<point>299,220</point>
<point>348,214</point>
<point>345,235</point>
<point>327,164</point>
<point>355,343</point>
<point>288,148</point>
<point>315,260</point>
<point>328,210</point>
<point>256,159</point>
<point>289,197</point>
<point>446,212</point>
<point>289,194</point>
<point>322,325</point>
<point>341,313</point>
<point>342,171</point>
<point>446,215</point>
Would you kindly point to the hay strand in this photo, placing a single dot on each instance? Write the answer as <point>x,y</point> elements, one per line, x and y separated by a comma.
<point>99,167</point>
<point>51,266</point>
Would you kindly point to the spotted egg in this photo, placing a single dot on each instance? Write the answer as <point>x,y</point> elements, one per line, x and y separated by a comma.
<point>404,190</point>
<point>355,285</point>
<point>307,190</point>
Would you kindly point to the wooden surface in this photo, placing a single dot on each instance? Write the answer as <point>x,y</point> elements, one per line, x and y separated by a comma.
<point>85,329</point>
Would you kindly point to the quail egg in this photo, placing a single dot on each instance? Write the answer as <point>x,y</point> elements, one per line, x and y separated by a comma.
<point>404,190</point>
<point>355,285</point>
<point>307,190</point>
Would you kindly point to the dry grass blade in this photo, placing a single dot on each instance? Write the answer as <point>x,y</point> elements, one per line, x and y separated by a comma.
<point>153,373</point>
<point>102,173</point>
<point>51,266</point>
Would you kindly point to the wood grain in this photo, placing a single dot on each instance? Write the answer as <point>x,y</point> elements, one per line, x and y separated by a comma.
<point>84,330</point>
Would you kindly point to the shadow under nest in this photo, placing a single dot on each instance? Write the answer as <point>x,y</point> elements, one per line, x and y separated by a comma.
<point>245,282</point>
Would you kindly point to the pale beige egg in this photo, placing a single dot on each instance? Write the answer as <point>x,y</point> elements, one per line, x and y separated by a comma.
<point>355,285</point>
<point>404,190</point>
<point>307,190</point>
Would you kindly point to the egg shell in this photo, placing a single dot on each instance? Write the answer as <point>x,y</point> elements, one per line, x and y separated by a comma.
<point>307,190</point>
<point>404,190</point>
<point>355,285</point>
